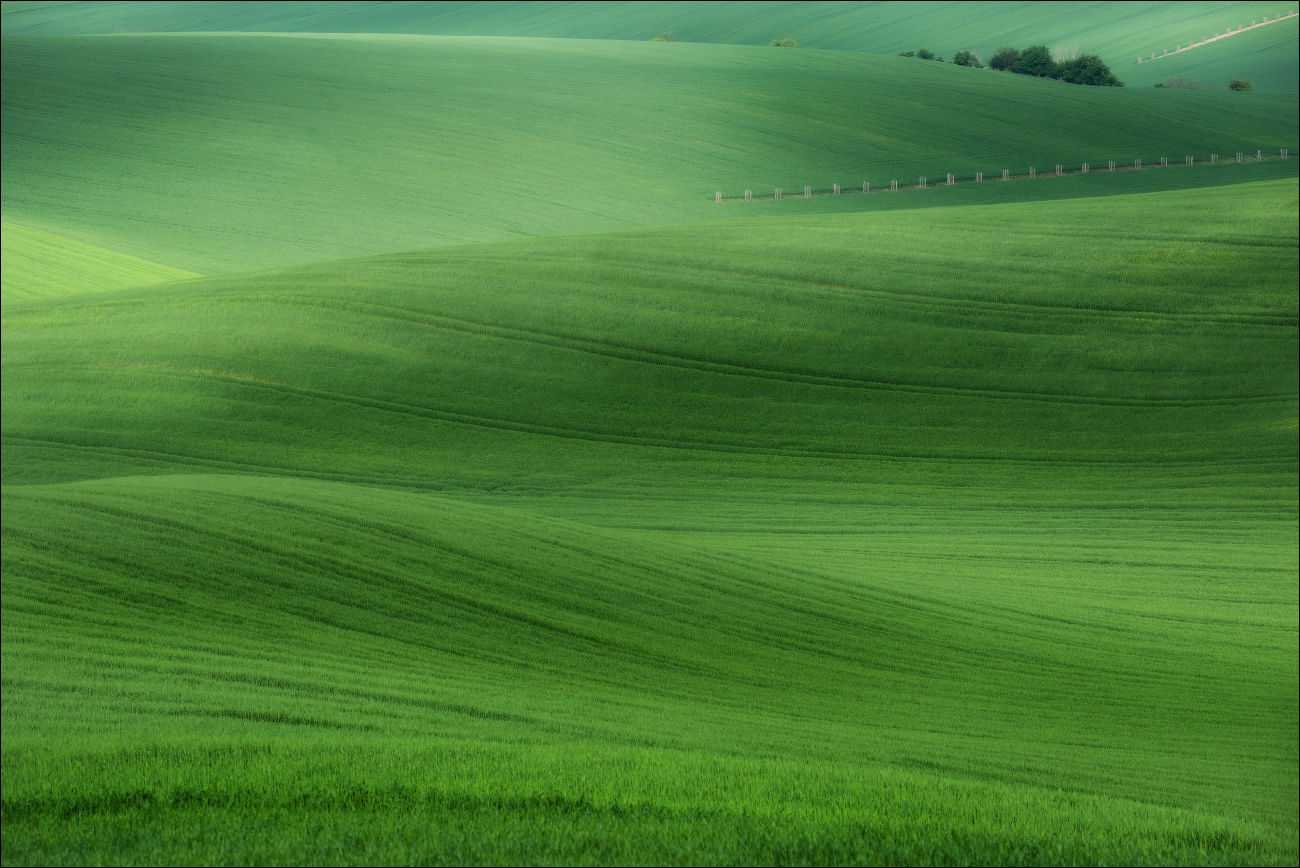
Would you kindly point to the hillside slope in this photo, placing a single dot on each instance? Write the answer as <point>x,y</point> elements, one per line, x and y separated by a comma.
<point>1118,31</point>
<point>223,153</point>
<point>1265,57</point>
<point>793,541</point>
<point>36,264</point>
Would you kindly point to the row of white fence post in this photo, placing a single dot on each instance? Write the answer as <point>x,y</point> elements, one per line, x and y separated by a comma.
<point>950,179</point>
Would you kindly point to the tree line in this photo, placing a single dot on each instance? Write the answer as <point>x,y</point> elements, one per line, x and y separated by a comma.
<point>1036,60</point>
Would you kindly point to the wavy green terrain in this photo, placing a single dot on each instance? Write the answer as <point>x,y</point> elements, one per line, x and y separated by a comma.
<point>1120,32</point>
<point>405,461</point>
<point>214,154</point>
<point>793,541</point>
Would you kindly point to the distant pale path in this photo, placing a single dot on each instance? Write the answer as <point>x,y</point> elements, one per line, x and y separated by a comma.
<point>1228,35</point>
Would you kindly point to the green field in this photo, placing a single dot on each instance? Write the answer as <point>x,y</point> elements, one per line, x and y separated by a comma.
<point>406,462</point>
<point>285,150</point>
<point>1120,32</point>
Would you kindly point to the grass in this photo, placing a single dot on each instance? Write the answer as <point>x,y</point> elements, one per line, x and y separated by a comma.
<point>945,534</point>
<point>38,264</point>
<point>263,151</point>
<point>1119,32</point>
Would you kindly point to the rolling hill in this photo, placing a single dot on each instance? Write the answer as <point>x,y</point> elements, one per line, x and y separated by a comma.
<point>792,540</point>
<point>224,153</point>
<point>1119,32</point>
<point>406,461</point>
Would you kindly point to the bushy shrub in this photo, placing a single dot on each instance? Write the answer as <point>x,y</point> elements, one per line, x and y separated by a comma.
<point>1087,69</point>
<point>1005,58</point>
<point>1239,84</point>
<point>967,58</point>
<point>1037,61</point>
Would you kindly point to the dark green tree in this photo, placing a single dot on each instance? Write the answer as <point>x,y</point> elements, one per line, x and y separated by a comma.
<point>1087,69</point>
<point>967,58</point>
<point>1036,60</point>
<point>1005,58</point>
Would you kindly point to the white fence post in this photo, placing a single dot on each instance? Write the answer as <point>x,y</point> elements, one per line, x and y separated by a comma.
<point>835,189</point>
<point>1164,162</point>
<point>866,186</point>
<point>951,180</point>
<point>922,185</point>
<point>1240,157</point>
<point>778,194</point>
<point>1284,153</point>
<point>1259,156</point>
<point>1033,173</point>
<point>1060,170</point>
<point>1111,166</point>
<point>1189,160</point>
<point>749,195</point>
<point>1137,164</point>
<point>1085,168</point>
<point>807,191</point>
<point>893,185</point>
<point>979,177</point>
<point>1006,174</point>
<point>717,198</point>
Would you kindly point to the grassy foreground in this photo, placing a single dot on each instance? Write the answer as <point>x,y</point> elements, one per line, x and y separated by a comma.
<point>795,542</point>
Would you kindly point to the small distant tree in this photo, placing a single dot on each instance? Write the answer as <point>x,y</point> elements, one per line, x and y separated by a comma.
<point>925,54</point>
<point>1239,84</point>
<point>967,58</point>
<point>907,54</point>
<point>786,42</point>
<point>1036,60</point>
<point>1087,69</point>
<point>1005,58</point>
